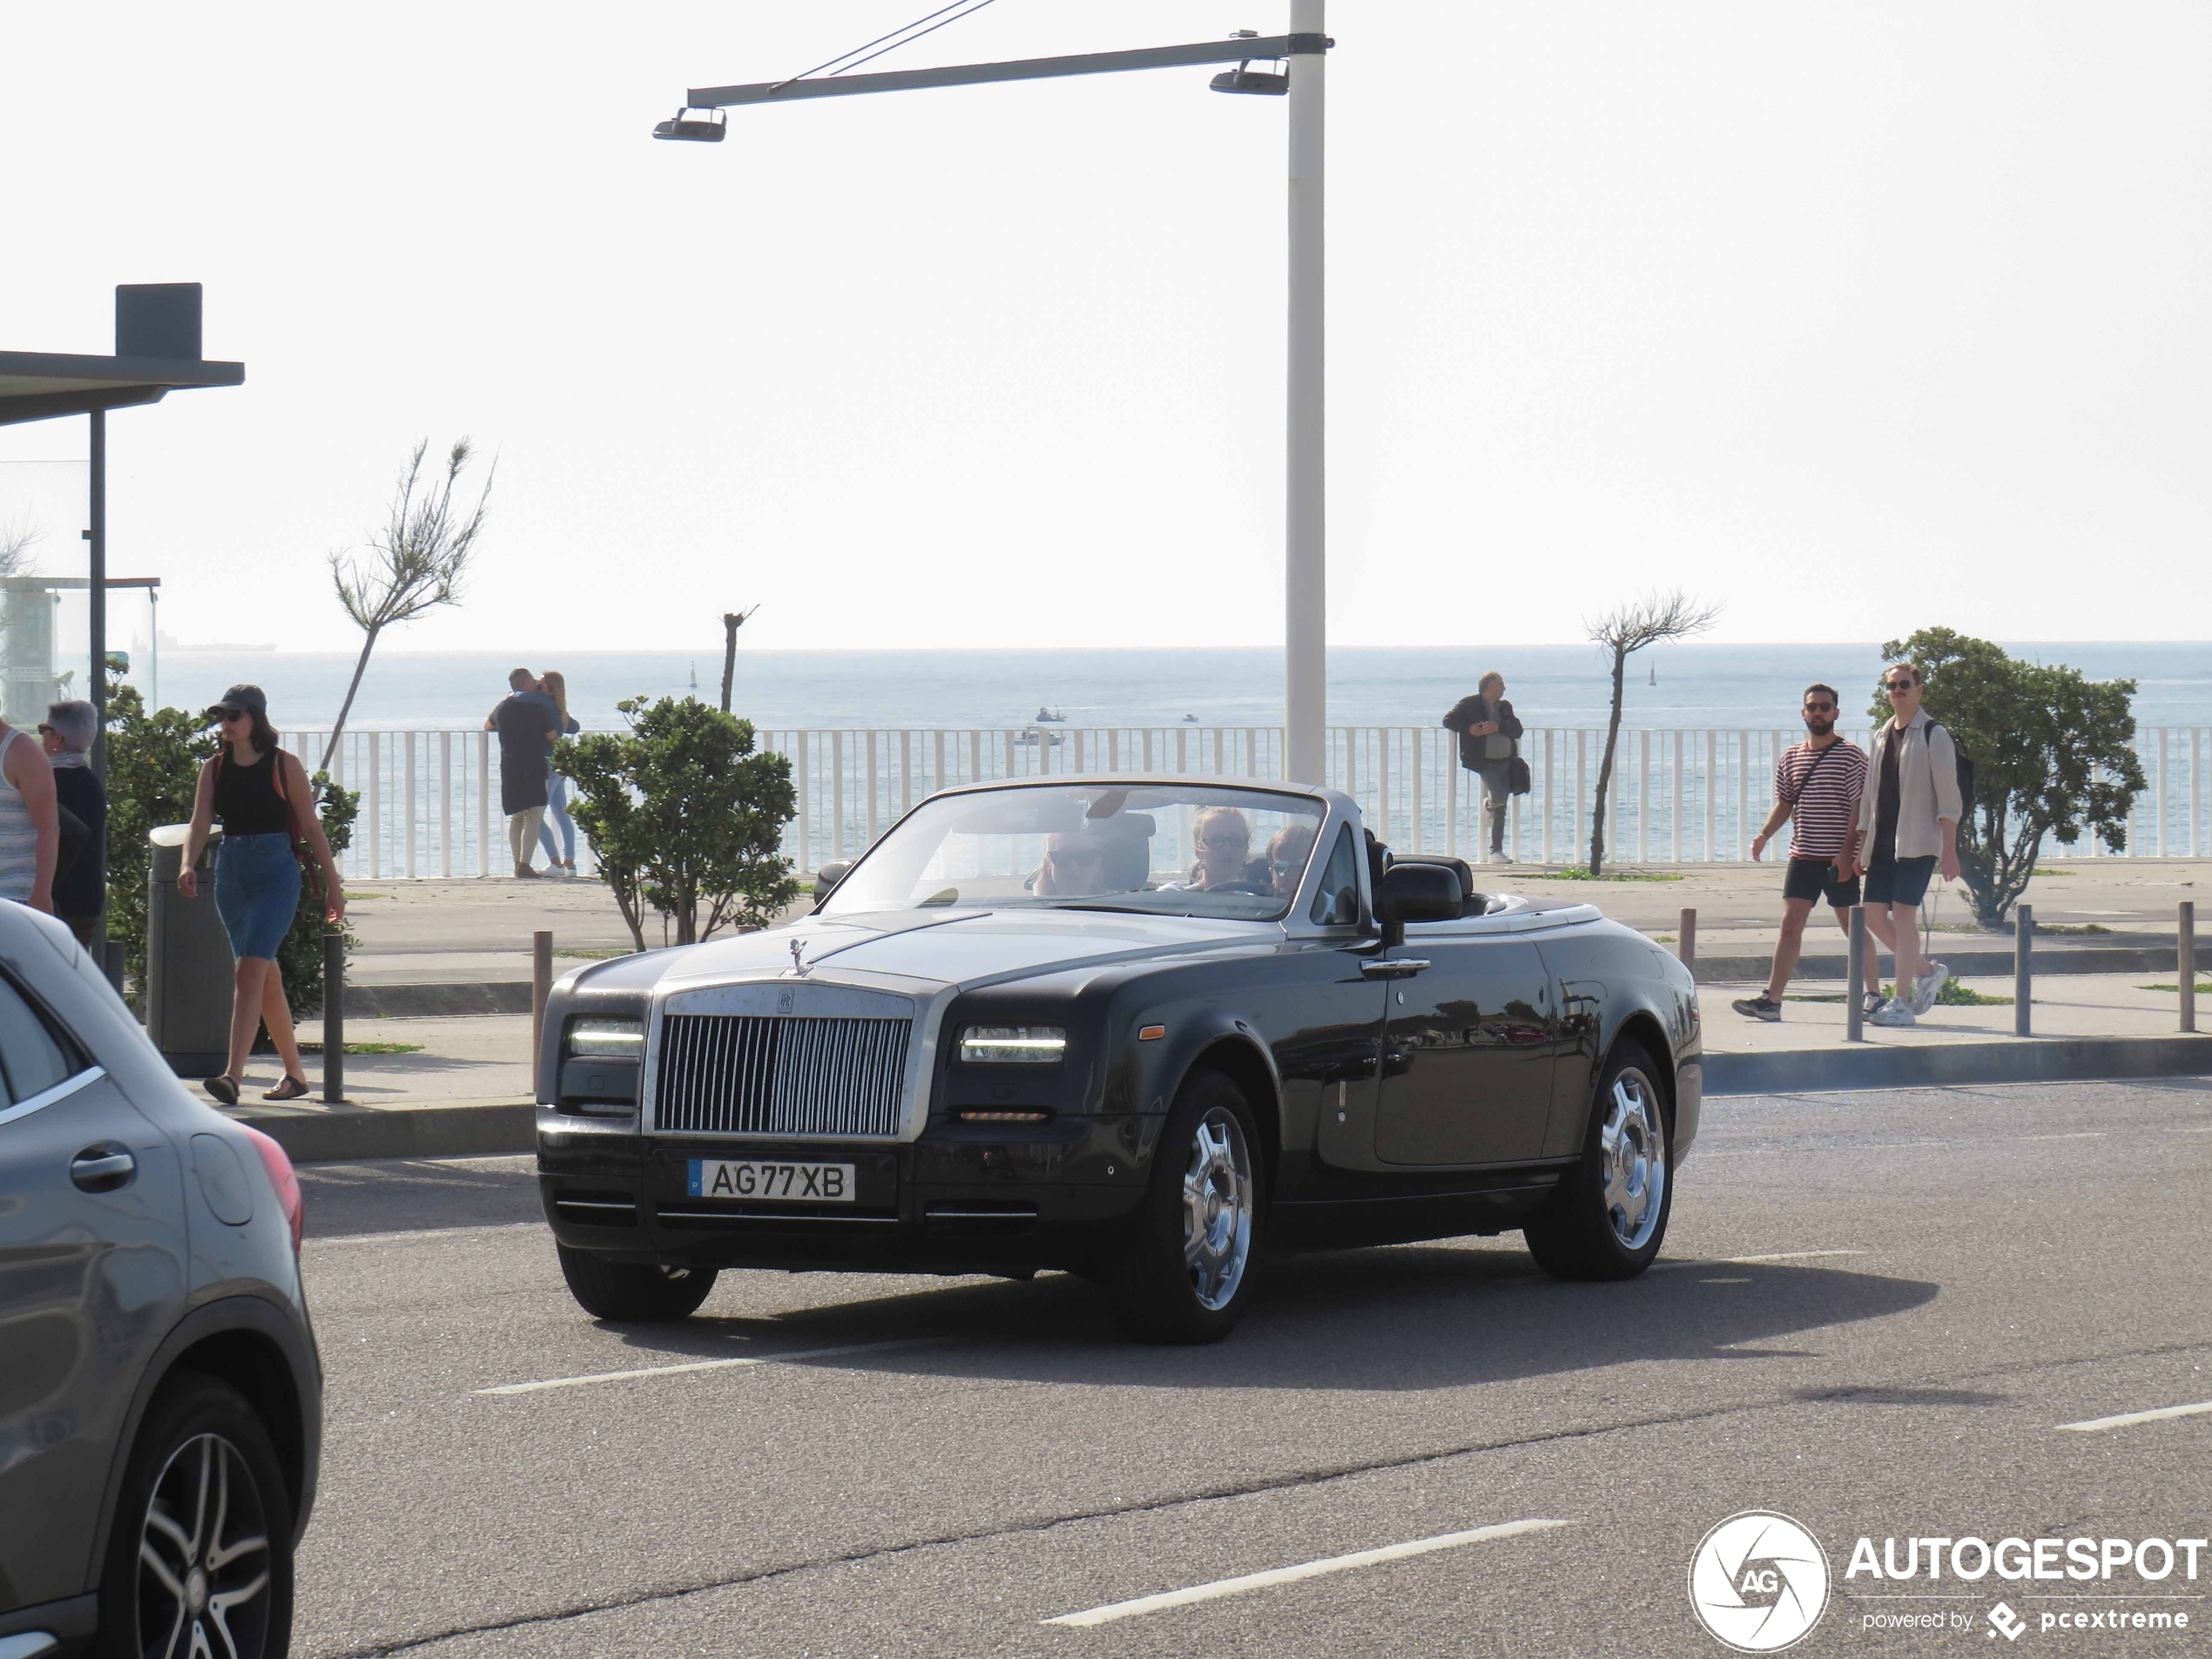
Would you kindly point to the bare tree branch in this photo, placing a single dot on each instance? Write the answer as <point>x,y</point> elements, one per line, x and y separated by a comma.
<point>17,538</point>
<point>417,563</point>
<point>1627,628</point>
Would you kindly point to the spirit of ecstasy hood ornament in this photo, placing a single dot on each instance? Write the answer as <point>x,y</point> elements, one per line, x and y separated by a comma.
<point>798,959</point>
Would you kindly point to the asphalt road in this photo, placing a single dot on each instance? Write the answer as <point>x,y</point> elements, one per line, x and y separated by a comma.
<point>1874,1312</point>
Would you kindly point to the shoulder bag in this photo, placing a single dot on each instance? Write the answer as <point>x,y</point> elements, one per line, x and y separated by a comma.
<point>310,871</point>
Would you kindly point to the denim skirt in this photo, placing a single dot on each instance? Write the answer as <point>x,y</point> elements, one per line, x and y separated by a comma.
<point>257,892</point>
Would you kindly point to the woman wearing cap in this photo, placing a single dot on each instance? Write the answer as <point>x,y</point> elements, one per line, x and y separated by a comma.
<point>262,795</point>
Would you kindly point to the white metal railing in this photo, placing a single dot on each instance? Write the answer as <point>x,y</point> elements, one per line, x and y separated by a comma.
<point>429,798</point>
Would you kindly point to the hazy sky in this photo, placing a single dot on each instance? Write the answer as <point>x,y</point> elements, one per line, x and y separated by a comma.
<point>1857,317</point>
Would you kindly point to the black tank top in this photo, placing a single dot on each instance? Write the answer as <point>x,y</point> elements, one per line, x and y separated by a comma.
<point>246,796</point>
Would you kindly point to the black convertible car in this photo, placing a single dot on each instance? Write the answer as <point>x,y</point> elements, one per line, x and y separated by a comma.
<point>1133,1027</point>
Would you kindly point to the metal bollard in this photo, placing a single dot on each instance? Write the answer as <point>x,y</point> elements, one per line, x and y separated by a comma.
<point>540,988</point>
<point>2023,969</point>
<point>333,1017</point>
<point>1686,948</point>
<point>2185,960</point>
<point>1854,1004</point>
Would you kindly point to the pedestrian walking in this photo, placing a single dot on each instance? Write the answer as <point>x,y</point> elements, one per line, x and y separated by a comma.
<point>1818,783</point>
<point>270,830</point>
<point>525,721</point>
<point>1489,735</point>
<point>554,686</point>
<point>1909,826</point>
<point>80,883</point>
<point>30,822</point>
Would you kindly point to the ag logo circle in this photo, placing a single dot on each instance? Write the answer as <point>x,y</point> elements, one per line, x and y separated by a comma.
<point>1758,1582</point>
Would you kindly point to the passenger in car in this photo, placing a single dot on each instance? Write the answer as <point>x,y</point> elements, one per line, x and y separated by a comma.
<point>1222,837</point>
<point>1287,854</point>
<point>1074,867</point>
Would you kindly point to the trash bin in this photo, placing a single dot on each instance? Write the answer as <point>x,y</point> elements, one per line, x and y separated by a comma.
<point>188,961</point>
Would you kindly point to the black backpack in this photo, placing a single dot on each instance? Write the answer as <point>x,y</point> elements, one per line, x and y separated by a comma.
<point>1965,772</point>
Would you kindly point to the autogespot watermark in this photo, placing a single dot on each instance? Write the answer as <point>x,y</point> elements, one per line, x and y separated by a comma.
<point>1759,1583</point>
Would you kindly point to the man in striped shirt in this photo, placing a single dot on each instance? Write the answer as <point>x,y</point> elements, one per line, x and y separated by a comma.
<point>1819,783</point>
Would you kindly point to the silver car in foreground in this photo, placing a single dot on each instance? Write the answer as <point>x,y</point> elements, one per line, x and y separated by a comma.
<point>160,1393</point>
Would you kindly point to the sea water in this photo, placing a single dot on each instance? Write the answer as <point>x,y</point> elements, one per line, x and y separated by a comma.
<point>1698,684</point>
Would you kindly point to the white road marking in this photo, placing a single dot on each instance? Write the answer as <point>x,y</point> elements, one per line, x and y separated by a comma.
<point>2128,1419</point>
<point>408,1235</point>
<point>2078,1135</point>
<point>1222,1587</point>
<point>706,1364</point>
<point>1742,1261</point>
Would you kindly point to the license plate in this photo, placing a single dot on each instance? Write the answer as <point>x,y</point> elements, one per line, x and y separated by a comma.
<point>777,1183</point>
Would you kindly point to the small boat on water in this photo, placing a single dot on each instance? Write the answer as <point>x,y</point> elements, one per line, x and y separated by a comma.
<point>1190,719</point>
<point>1051,715</point>
<point>1033,736</point>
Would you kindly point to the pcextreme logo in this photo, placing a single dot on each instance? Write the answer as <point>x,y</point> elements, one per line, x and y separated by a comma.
<point>1758,1582</point>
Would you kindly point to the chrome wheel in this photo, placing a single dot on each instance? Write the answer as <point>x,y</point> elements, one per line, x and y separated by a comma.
<point>1632,1152</point>
<point>1217,1210</point>
<point>203,1556</point>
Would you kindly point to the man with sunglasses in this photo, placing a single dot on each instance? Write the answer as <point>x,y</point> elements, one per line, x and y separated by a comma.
<point>1909,824</point>
<point>1817,782</point>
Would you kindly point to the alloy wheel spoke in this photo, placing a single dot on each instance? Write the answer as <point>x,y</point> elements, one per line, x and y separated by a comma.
<point>223,1555</point>
<point>199,1500</point>
<point>149,1557</point>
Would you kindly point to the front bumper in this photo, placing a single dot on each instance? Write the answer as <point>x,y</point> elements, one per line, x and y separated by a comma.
<point>959,1199</point>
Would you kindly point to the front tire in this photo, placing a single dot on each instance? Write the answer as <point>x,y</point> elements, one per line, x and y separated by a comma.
<point>636,1292</point>
<point>199,1557</point>
<point>1608,1216</point>
<point>1186,1274</point>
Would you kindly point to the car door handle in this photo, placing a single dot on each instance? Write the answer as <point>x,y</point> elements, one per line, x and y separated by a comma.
<point>1392,968</point>
<point>99,1169</point>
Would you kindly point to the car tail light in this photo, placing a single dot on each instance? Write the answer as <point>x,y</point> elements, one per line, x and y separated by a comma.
<point>277,1162</point>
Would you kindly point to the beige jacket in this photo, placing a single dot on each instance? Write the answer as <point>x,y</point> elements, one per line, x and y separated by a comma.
<point>1928,786</point>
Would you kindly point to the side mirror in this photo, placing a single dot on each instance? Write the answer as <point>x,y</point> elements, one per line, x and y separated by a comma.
<point>1417,892</point>
<point>828,876</point>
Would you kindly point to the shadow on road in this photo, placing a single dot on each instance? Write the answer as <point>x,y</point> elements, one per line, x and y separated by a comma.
<point>1405,1318</point>
<point>412,1195</point>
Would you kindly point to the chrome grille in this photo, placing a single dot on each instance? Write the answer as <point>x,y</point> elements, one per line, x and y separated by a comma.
<point>725,1074</point>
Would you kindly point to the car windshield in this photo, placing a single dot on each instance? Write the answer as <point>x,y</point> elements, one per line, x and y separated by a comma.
<point>1160,849</point>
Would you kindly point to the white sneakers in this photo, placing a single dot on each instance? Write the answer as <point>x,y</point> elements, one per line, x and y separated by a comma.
<point>1896,1011</point>
<point>1928,986</point>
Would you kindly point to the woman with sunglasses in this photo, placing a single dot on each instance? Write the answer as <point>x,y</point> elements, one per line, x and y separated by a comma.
<point>262,795</point>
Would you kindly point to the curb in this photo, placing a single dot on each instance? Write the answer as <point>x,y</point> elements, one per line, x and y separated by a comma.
<point>2024,1059</point>
<point>1963,964</point>
<point>344,1134</point>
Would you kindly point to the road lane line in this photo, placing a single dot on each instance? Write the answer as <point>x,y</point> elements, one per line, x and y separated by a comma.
<point>2078,1135</point>
<point>2128,1419</point>
<point>1222,1587</point>
<point>1787,1256</point>
<point>410,1234</point>
<point>705,1365</point>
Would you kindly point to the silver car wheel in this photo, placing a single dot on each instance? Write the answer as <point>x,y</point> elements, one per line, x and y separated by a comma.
<point>204,1555</point>
<point>1632,1146</point>
<point>1217,1210</point>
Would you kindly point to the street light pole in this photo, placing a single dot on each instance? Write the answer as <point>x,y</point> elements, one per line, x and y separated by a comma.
<point>1305,558</point>
<point>1305,643</point>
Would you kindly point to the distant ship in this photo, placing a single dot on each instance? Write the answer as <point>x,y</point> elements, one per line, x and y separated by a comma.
<point>1655,675</point>
<point>1051,716</point>
<point>1033,736</point>
<point>1190,719</point>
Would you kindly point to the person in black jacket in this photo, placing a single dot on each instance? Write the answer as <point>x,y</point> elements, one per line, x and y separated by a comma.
<point>81,890</point>
<point>1489,738</point>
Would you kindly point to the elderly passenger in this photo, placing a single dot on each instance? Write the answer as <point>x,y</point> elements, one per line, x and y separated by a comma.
<point>80,891</point>
<point>1222,837</point>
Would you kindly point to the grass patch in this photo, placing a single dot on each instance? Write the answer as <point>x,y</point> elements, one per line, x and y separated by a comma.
<point>595,955</point>
<point>2175,987</point>
<point>355,898</point>
<point>1664,939</point>
<point>2039,873</point>
<point>1953,995</point>
<point>367,1048</point>
<point>1577,873</point>
<point>2083,927</point>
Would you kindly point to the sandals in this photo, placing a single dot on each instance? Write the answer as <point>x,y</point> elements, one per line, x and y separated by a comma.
<point>224,1090</point>
<point>290,1089</point>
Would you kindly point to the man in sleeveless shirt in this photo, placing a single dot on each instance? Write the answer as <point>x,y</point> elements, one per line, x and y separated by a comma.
<point>1819,783</point>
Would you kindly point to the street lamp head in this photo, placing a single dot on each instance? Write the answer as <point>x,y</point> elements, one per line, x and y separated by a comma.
<point>1245,79</point>
<point>712,129</point>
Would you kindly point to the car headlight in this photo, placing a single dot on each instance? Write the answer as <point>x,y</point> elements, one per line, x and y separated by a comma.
<point>623,1039</point>
<point>1019,1045</point>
